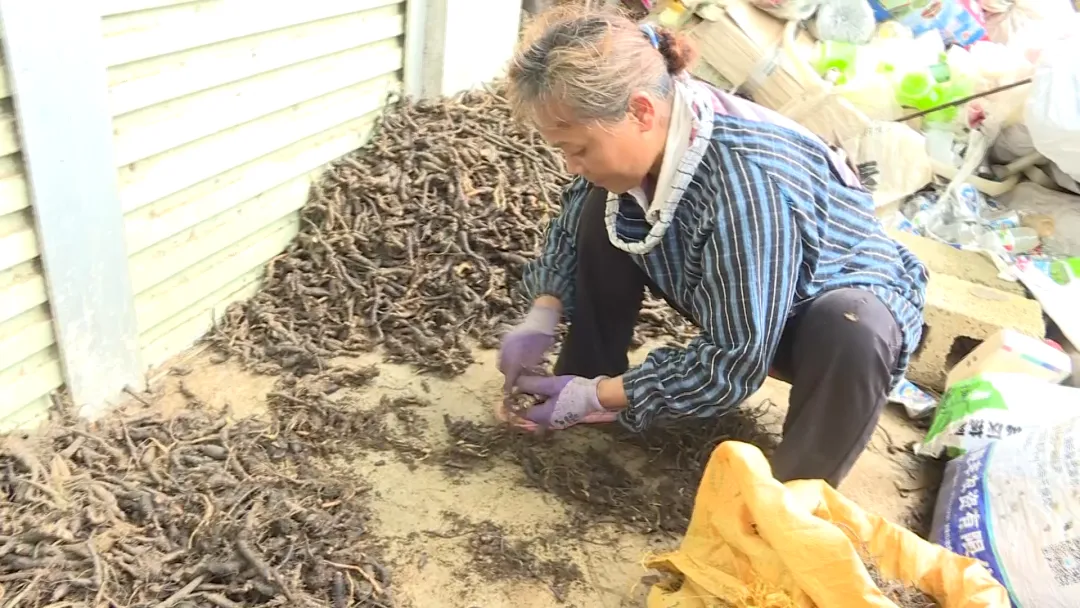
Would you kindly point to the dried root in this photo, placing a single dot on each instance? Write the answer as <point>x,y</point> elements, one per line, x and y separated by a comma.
<point>415,243</point>
<point>189,511</point>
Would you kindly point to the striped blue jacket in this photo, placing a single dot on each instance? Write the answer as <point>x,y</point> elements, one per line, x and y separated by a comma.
<point>765,226</point>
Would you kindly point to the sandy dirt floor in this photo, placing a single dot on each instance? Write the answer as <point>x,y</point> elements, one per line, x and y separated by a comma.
<point>436,525</point>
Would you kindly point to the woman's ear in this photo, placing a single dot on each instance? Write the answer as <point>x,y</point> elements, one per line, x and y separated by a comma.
<point>643,110</point>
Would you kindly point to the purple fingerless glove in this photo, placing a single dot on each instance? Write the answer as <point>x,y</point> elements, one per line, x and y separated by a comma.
<point>524,347</point>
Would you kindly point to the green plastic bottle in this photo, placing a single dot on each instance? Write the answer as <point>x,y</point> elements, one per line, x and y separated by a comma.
<point>836,57</point>
<point>1065,271</point>
<point>916,90</point>
<point>922,91</point>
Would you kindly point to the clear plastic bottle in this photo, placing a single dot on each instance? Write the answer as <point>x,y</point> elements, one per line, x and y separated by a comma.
<point>940,143</point>
<point>959,234</point>
<point>1015,241</point>
<point>996,220</point>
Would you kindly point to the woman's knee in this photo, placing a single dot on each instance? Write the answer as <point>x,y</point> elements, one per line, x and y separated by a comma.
<point>852,325</point>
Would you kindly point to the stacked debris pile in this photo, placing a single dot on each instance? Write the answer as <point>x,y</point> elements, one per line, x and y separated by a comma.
<point>188,509</point>
<point>415,243</point>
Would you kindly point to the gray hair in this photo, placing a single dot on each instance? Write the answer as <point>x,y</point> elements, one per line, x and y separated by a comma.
<point>591,63</point>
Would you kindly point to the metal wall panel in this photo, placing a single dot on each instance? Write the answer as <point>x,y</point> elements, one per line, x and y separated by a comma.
<point>223,113</point>
<point>29,362</point>
<point>220,124</point>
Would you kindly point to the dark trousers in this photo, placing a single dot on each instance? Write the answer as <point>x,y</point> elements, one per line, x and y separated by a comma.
<point>837,352</point>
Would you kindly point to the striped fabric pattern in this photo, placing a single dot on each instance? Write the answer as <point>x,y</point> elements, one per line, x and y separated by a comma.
<point>765,226</point>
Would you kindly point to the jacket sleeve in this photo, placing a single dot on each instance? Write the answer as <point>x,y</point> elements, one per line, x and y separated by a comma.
<point>749,267</point>
<point>553,272</point>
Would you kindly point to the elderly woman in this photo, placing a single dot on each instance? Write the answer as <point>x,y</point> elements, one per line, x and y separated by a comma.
<point>744,221</point>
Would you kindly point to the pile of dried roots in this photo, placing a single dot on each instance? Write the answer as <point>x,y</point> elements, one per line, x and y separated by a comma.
<point>416,243</point>
<point>497,557</point>
<point>186,510</point>
<point>642,482</point>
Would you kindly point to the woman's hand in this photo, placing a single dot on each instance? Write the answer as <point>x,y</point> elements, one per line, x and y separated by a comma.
<point>524,347</point>
<point>569,400</point>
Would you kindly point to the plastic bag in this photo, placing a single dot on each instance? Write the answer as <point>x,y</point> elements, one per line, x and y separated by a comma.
<point>895,156</point>
<point>843,21</point>
<point>1013,143</point>
<point>1007,19</point>
<point>1018,21</point>
<point>959,21</point>
<point>788,10</point>
<point>978,411</point>
<point>1053,109</point>
<point>994,65</point>
<point>1014,506</point>
<point>1061,209</point>
<point>917,402</point>
<point>1059,302</point>
<point>752,538</point>
<point>1062,180</point>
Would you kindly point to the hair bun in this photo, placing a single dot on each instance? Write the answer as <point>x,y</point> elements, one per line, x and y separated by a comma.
<point>678,53</point>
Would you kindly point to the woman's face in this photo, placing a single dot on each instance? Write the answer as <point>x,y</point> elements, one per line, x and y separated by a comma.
<point>613,155</point>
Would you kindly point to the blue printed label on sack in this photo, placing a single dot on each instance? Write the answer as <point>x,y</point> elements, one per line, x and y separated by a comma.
<point>967,526</point>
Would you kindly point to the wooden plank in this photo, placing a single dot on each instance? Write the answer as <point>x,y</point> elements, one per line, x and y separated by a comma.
<point>146,181</point>
<point>175,295</point>
<point>30,379</point>
<point>159,128</point>
<point>56,67</point>
<point>18,239</point>
<point>25,335</point>
<point>173,255</point>
<point>144,34</point>
<point>28,417</point>
<point>173,214</point>
<point>182,331</point>
<point>21,288</point>
<point>142,84</point>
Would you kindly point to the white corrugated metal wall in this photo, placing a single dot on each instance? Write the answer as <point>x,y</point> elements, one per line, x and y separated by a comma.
<point>222,115</point>
<point>220,120</point>
<point>29,363</point>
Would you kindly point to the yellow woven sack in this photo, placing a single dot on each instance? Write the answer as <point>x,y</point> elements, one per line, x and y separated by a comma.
<point>756,543</point>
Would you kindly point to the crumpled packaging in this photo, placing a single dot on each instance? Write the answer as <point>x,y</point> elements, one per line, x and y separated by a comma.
<point>755,542</point>
<point>896,157</point>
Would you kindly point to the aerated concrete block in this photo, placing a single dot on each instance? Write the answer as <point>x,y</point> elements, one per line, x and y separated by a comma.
<point>961,314</point>
<point>970,266</point>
